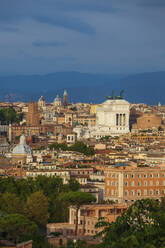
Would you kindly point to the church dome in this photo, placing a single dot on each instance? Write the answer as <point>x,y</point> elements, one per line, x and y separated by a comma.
<point>22,147</point>
<point>41,99</point>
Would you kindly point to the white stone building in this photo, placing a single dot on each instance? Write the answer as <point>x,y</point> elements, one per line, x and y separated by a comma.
<point>41,103</point>
<point>112,119</point>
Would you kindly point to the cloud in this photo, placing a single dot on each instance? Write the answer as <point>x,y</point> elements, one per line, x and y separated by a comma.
<point>152,3</point>
<point>67,22</point>
<point>86,5</point>
<point>46,12</point>
<point>48,43</point>
<point>9,29</point>
<point>103,36</point>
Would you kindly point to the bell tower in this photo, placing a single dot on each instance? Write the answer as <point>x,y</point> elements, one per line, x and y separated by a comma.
<point>65,98</point>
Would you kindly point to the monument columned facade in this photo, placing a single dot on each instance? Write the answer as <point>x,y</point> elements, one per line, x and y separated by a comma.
<point>112,118</point>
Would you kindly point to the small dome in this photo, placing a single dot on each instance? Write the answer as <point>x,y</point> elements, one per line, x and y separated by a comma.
<point>41,99</point>
<point>22,147</point>
<point>22,140</point>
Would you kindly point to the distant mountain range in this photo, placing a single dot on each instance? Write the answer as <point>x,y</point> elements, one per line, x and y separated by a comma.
<point>85,87</point>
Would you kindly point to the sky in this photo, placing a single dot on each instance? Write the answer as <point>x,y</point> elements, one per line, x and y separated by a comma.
<point>98,36</point>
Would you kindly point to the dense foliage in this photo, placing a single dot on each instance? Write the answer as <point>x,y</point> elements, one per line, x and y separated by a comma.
<point>142,225</point>
<point>78,147</point>
<point>9,115</point>
<point>27,205</point>
<point>17,227</point>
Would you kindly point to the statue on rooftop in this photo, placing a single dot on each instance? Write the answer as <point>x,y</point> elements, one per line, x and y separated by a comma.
<point>113,97</point>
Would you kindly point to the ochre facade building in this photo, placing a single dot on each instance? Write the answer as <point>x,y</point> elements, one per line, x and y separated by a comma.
<point>128,184</point>
<point>147,121</point>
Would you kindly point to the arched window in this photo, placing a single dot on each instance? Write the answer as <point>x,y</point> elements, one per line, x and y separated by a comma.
<point>139,192</point>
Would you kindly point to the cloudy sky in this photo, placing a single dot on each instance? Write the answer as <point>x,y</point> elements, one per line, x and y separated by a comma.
<point>106,36</point>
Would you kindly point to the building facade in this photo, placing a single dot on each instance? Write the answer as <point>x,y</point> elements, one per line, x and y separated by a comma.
<point>32,118</point>
<point>112,118</point>
<point>147,121</point>
<point>128,184</point>
<point>88,217</point>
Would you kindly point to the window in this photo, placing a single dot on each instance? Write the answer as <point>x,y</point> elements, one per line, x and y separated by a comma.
<point>126,175</point>
<point>145,183</point>
<point>151,175</point>
<point>112,192</point>
<point>157,192</point>
<point>145,192</point>
<point>132,192</point>
<point>112,183</point>
<point>157,175</point>
<point>139,176</point>
<point>151,192</point>
<point>132,175</point>
<point>133,183</point>
<point>139,192</point>
<point>145,175</point>
<point>126,193</point>
<point>163,192</point>
<point>139,183</point>
<point>126,183</point>
<point>157,183</point>
<point>117,119</point>
<point>151,183</point>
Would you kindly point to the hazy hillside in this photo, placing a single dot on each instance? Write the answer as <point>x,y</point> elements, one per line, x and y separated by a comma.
<point>145,87</point>
<point>85,87</point>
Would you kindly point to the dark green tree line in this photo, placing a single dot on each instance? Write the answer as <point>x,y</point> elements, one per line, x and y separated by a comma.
<point>78,147</point>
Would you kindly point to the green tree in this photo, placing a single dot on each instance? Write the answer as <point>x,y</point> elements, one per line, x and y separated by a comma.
<point>142,225</point>
<point>81,147</point>
<point>9,115</point>
<point>16,227</point>
<point>78,199</point>
<point>36,208</point>
<point>105,138</point>
<point>10,203</point>
<point>73,184</point>
<point>55,206</point>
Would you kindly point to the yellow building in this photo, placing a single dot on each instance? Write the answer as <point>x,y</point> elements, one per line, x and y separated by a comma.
<point>93,109</point>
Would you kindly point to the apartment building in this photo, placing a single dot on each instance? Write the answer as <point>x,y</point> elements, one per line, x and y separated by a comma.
<point>89,120</point>
<point>128,184</point>
<point>88,217</point>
